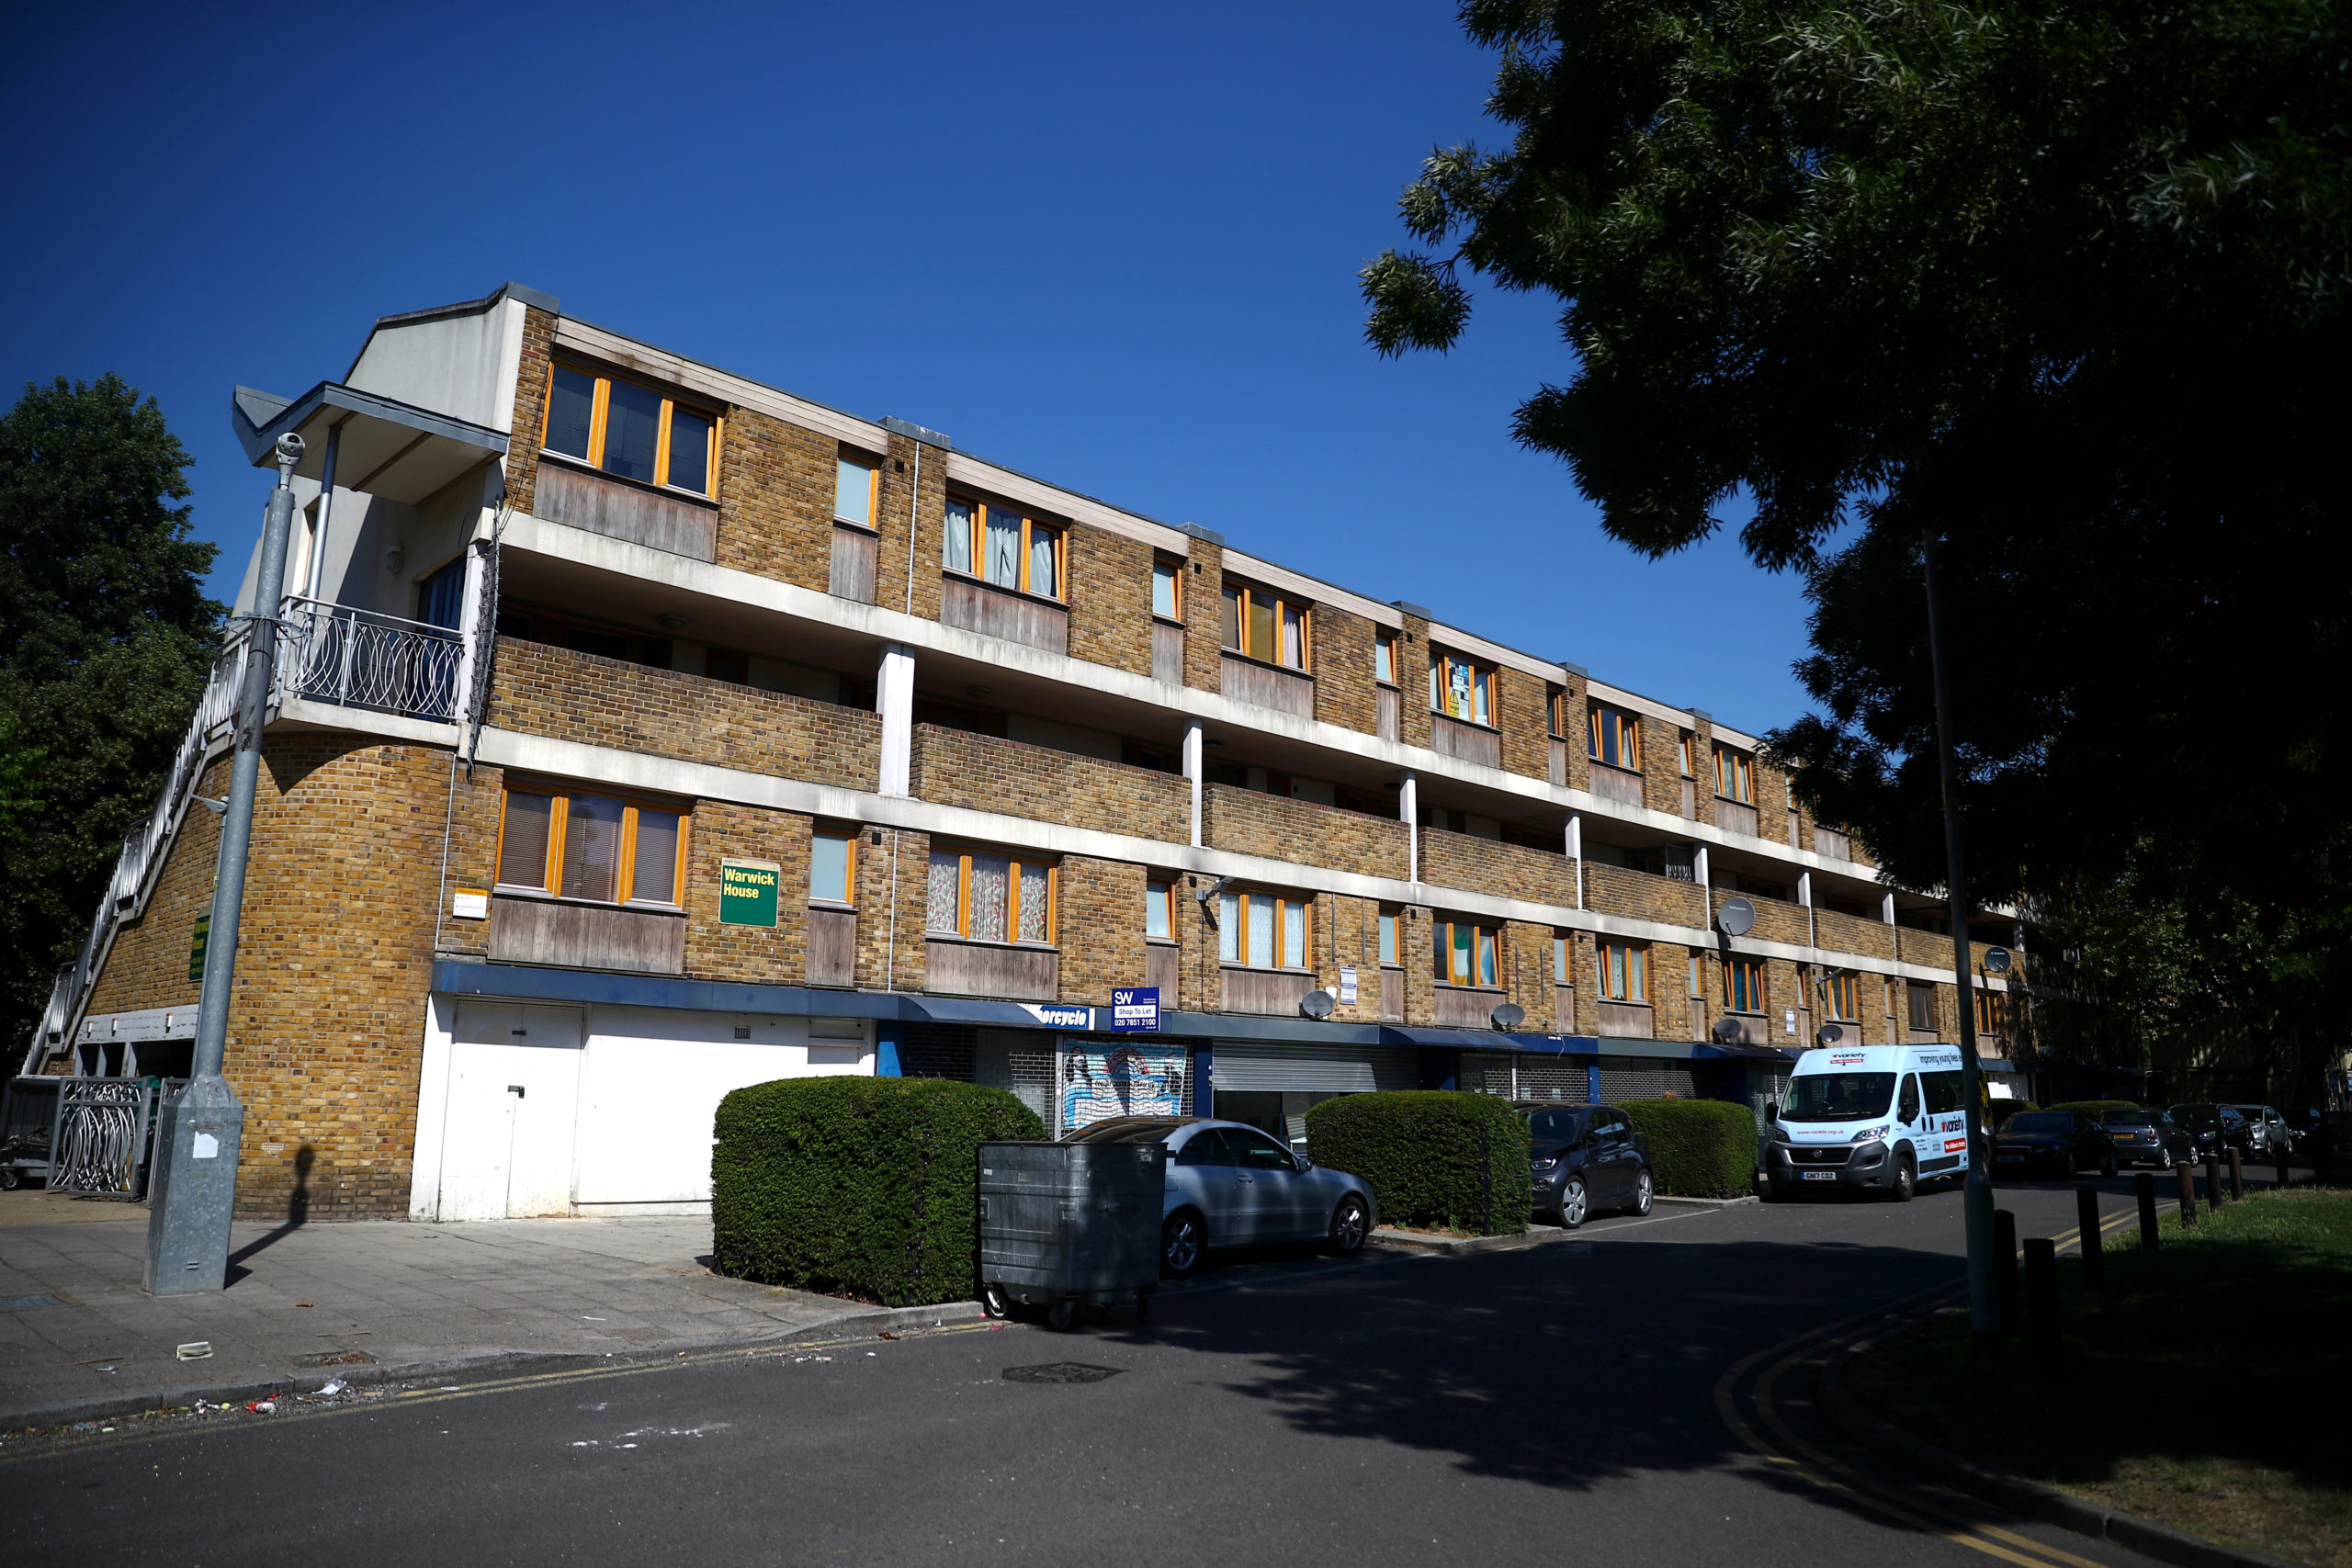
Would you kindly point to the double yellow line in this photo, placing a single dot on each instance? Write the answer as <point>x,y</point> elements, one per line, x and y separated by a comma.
<point>1909,1506</point>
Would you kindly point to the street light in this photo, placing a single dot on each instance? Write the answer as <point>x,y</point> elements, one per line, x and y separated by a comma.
<point>1983,1300</point>
<point>194,1190</point>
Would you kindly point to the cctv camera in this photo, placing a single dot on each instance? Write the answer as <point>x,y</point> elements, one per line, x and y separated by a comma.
<point>289,448</point>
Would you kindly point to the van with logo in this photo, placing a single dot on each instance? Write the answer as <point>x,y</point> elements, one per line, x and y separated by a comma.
<point>1877,1119</point>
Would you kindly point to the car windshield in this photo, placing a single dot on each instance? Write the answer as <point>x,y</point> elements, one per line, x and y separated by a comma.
<point>2044,1121</point>
<point>1554,1127</point>
<point>2129,1118</point>
<point>1837,1097</point>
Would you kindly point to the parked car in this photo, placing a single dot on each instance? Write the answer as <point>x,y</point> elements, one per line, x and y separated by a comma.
<point>2266,1129</point>
<point>2144,1135</point>
<point>1583,1158</point>
<point>1230,1185</point>
<point>2215,1130</point>
<point>2053,1142</point>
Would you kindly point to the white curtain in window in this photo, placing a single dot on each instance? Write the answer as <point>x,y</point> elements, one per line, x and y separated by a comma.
<point>1002,562</point>
<point>1261,931</point>
<point>1294,638</point>
<point>956,543</point>
<point>1034,903</point>
<point>992,893</point>
<point>946,878</point>
<point>1228,927</point>
<point>1041,561</point>
<point>1294,936</point>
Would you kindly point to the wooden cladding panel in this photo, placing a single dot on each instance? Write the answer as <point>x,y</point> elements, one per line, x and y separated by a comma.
<point>1564,1008</point>
<point>998,611</point>
<point>832,947</point>
<point>1465,1007</point>
<point>1274,993</point>
<point>1163,966</point>
<point>1559,775</point>
<point>1247,681</point>
<point>1168,653</point>
<point>1465,742</point>
<point>1733,817</point>
<point>623,511</point>
<point>587,936</point>
<point>978,969</point>
<point>1617,784</point>
<point>854,552</point>
<point>1627,1020</point>
<point>1690,801</point>
<point>1388,720</point>
<point>1392,993</point>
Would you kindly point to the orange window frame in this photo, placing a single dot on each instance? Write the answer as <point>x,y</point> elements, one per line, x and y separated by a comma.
<point>1384,658</point>
<point>1030,529</point>
<point>1162,894</point>
<point>602,406</point>
<point>873,489</point>
<point>1627,733</point>
<point>1482,689</point>
<point>1992,1012</point>
<point>1235,926</point>
<point>1744,985</point>
<point>1625,972</point>
<point>1736,776</point>
<point>1846,997</point>
<point>849,837</point>
<point>1248,600</point>
<point>1175,567</point>
<point>1012,896</point>
<point>625,870</point>
<point>1484,940</point>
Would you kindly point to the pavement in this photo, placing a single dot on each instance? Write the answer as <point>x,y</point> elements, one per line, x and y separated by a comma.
<point>1626,1394</point>
<point>79,1338</point>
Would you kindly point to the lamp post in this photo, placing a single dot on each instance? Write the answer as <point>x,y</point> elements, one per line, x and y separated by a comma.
<point>194,1189</point>
<point>1983,1300</point>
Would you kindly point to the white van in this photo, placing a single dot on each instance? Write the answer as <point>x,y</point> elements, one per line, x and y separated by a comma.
<point>1883,1118</point>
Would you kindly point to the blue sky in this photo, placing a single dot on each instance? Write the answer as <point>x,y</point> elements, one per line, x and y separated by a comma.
<point>1114,248</point>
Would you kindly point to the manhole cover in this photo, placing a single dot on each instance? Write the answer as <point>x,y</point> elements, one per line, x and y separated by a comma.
<point>335,1359</point>
<point>1060,1371</point>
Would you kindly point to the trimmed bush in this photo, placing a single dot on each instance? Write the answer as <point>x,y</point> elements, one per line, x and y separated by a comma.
<point>855,1185</point>
<point>1998,1111</point>
<point>2093,1107</point>
<point>1419,1151</point>
<point>1699,1149</point>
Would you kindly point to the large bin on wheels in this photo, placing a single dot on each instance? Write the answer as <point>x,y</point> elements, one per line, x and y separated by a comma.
<point>1065,1226</point>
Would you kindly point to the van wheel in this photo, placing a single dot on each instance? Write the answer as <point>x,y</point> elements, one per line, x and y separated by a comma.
<point>1906,1180</point>
<point>1181,1242</point>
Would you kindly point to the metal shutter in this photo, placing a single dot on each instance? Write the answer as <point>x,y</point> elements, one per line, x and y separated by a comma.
<point>1555,1077</point>
<point>936,1051</point>
<point>1022,1061</point>
<point>1315,1069</point>
<point>1636,1079</point>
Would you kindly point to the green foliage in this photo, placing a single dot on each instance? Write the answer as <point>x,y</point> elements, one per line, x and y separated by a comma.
<point>1419,1152</point>
<point>105,637</point>
<point>855,1185</point>
<point>2093,1107</point>
<point>1699,1149</point>
<point>2062,284</point>
<point>1998,1111</point>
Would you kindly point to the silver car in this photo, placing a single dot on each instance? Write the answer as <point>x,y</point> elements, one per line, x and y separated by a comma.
<point>1230,1185</point>
<point>2269,1130</point>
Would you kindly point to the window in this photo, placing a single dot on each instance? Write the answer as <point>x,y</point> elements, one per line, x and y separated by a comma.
<point>1736,776</point>
<point>1384,658</point>
<point>1684,758</point>
<point>1460,689</point>
<point>629,430</point>
<point>832,865</point>
<point>857,491</point>
<point>1556,711</point>
<point>1167,588</point>
<point>1744,985</point>
<point>1846,997</point>
<point>597,847</point>
<point>1160,909</point>
<point>1992,1012</point>
<point>984,898</point>
<point>1922,997</point>
<point>1262,930</point>
<point>1698,978</point>
<point>1625,972</point>
<point>1388,950</point>
<point>1264,625</point>
<point>999,545</point>
<point>1616,738</point>
<point>1465,955</point>
<point>1561,975</point>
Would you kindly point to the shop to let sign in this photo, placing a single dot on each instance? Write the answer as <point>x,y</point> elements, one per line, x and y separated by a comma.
<point>1135,1010</point>
<point>747,892</point>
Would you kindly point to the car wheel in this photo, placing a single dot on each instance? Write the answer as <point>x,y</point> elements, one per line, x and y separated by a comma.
<point>1906,1180</point>
<point>1062,1313</point>
<point>994,1302</point>
<point>1182,1241</point>
<point>2111,1168</point>
<point>2074,1168</point>
<point>1645,1191</point>
<point>1573,1203</point>
<point>1350,1222</point>
<point>10,1179</point>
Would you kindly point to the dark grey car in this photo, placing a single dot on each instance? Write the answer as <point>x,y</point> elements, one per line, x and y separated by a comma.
<point>1583,1158</point>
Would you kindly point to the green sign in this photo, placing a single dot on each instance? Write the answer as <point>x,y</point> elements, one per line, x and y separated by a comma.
<point>196,947</point>
<point>747,892</point>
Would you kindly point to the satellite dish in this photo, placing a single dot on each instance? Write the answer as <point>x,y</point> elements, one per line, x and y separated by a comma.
<point>1508,1015</point>
<point>1317,1004</point>
<point>1996,960</point>
<point>1729,1031</point>
<point>1829,1035</point>
<point>1736,916</point>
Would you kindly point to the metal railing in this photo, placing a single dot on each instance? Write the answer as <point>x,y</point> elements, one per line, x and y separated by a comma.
<point>363,659</point>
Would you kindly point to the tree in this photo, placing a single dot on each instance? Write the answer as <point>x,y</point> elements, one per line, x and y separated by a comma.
<point>105,637</point>
<point>2059,284</point>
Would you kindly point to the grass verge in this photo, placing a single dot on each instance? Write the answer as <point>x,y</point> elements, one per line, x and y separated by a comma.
<point>2204,1387</point>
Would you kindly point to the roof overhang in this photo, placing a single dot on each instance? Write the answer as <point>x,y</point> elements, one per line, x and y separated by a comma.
<point>387,447</point>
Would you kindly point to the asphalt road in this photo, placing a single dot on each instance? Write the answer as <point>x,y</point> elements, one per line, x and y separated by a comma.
<point>1593,1400</point>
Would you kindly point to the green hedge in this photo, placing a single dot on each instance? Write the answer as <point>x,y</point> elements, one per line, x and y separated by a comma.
<point>856,1185</point>
<point>2093,1107</point>
<point>1419,1151</point>
<point>1998,1111</point>
<point>1699,1149</point>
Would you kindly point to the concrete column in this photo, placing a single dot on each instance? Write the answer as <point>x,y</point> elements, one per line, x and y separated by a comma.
<point>1886,908</point>
<point>1804,897</point>
<point>894,699</point>
<point>1408,806</point>
<point>1705,879</point>
<point>1576,851</point>
<point>1193,769</point>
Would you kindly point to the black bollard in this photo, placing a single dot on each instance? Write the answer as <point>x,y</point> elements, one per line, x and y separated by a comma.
<point>2238,1177</point>
<point>2213,1184</point>
<point>2005,1263</point>
<point>2146,1182</point>
<point>2187,1197</point>
<point>2041,1300</point>
<point>2094,1240</point>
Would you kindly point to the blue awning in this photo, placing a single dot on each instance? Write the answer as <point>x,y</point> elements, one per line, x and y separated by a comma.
<point>1490,1040</point>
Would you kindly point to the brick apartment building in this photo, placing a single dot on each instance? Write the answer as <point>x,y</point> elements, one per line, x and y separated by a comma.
<point>644,731</point>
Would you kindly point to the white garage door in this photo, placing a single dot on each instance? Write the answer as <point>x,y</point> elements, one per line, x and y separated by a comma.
<point>506,1143</point>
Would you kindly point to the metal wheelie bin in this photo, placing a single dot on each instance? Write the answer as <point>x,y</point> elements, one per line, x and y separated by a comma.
<point>1066,1225</point>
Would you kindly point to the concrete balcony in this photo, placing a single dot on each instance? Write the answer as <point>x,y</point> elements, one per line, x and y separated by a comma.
<point>955,767</point>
